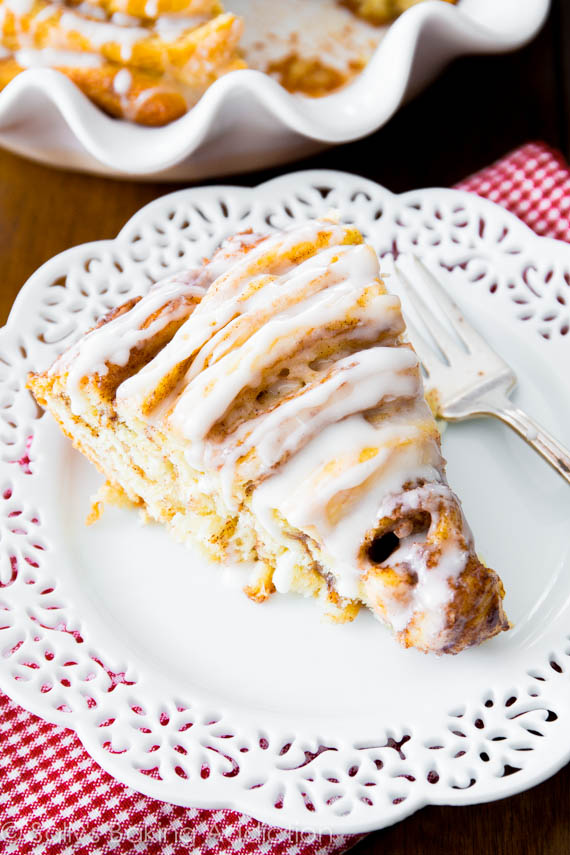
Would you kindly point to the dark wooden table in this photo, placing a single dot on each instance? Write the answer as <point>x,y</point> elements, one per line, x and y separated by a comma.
<point>478,110</point>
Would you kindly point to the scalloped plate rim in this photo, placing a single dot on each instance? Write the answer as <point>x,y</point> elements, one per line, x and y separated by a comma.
<point>505,786</point>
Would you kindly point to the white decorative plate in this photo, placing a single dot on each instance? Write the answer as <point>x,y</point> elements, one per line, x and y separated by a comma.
<point>181,687</point>
<point>246,120</point>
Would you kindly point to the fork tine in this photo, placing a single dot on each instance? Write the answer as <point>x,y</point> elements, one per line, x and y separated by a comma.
<point>427,355</point>
<point>447,345</point>
<point>469,336</point>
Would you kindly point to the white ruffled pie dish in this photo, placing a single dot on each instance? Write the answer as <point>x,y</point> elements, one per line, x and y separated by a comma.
<point>246,120</point>
<point>184,689</point>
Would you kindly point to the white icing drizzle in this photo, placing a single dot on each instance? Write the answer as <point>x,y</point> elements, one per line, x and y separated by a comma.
<point>284,571</point>
<point>88,9</point>
<point>224,302</point>
<point>358,383</point>
<point>43,15</point>
<point>104,344</point>
<point>99,33</point>
<point>303,489</point>
<point>19,7</point>
<point>49,57</point>
<point>225,256</point>
<point>112,343</point>
<point>212,390</point>
<point>125,20</point>
<point>323,457</point>
<point>432,590</point>
<point>122,82</point>
<point>171,27</point>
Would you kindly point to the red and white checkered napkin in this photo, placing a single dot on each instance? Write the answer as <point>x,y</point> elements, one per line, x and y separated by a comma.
<point>534,183</point>
<point>55,800</point>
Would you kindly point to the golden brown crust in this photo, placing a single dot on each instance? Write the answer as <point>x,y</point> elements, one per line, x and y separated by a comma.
<point>263,587</point>
<point>311,76</point>
<point>380,12</point>
<point>475,612</point>
<point>149,101</point>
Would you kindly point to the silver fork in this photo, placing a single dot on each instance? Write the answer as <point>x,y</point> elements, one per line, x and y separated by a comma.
<point>473,380</point>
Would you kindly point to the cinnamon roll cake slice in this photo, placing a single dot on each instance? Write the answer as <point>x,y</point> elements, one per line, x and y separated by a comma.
<point>267,407</point>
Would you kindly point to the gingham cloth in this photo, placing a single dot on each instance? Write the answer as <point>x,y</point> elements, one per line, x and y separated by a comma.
<point>55,800</point>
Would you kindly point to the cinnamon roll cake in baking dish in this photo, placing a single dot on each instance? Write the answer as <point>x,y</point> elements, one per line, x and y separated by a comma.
<point>267,407</point>
<point>150,61</point>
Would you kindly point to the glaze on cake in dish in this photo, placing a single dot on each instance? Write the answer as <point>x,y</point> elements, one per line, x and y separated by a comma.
<point>149,69</point>
<point>267,407</point>
<point>150,61</point>
<point>381,11</point>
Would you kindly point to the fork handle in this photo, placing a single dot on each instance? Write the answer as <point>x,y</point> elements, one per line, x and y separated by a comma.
<point>535,435</point>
